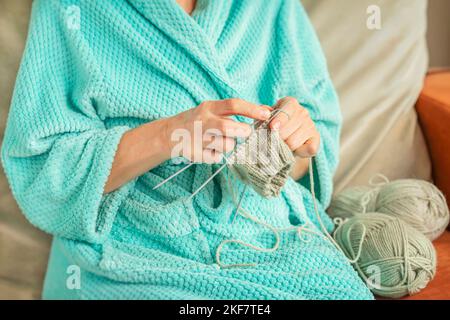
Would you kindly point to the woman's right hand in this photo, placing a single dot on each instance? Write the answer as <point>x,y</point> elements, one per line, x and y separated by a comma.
<point>203,134</point>
<point>206,133</point>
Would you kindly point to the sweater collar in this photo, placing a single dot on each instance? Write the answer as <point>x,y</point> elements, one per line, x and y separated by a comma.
<point>187,31</point>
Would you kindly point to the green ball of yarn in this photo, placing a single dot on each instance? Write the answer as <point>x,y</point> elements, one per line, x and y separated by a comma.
<point>349,202</point>
<point>393,258</point>
<point>418,203</point>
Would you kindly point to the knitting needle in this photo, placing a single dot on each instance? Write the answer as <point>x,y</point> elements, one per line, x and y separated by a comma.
<point>208,180</point>
<point>239,204</point>
<point>278,110</point>
<point>173,176</point>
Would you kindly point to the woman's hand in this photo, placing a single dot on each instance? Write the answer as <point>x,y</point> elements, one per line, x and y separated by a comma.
<point>296,128</point>
<point>299,132</point>
<point>204,134</point>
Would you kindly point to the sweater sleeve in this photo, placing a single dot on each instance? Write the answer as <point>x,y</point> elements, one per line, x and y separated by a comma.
<point>57,153</point>
<point>306,78</point>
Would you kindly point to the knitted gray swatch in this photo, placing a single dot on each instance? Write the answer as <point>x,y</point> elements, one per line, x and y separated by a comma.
<point>264,161</point>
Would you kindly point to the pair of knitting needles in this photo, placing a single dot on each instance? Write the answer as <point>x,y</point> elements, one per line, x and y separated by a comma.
<point>275,113</point>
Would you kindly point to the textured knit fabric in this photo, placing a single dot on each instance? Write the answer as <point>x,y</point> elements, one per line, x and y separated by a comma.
<point>83,84</point>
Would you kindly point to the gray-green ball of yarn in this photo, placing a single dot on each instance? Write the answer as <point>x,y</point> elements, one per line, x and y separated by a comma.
<point>349,202</point>
<point>393,258</point>
<point>419,203</point>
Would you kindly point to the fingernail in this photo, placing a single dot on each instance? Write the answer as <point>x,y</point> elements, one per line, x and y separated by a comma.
<point>276,126</point>
<point>265,114</point>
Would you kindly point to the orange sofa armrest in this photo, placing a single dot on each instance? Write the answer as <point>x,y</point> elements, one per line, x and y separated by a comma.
<point>433,108</point>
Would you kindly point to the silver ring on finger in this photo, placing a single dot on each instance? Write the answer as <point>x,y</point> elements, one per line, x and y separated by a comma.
<point>287,114</point>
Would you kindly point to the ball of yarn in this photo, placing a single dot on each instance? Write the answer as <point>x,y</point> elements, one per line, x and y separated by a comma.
<point>349,203</point>
<point>393,258</point>
<point>418,203</point>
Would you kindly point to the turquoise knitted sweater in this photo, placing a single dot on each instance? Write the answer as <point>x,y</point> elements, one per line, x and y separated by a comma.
<point>91,71</point>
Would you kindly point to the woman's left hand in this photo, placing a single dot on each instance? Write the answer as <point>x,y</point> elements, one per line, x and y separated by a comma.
<point>296,128</point>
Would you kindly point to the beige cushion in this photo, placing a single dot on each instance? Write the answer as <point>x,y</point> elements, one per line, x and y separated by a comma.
<point>23,248</point>
<point>378,75</point>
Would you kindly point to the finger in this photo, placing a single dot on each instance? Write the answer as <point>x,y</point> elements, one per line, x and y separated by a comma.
<point>290,128</point>
<point>309,148</point>
<point>229,128</point>
<point>289,108</point>
<point>244,108</point>
<point>220,144</point>
<point>211,156</point>
<point>304,144</point>
<point>299,120</point>
<point>299,137</point>
<point>296,122</point>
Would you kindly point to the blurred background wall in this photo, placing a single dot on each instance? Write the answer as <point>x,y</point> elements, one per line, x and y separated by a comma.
<point>439,32</point>
<point>23,248</point>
